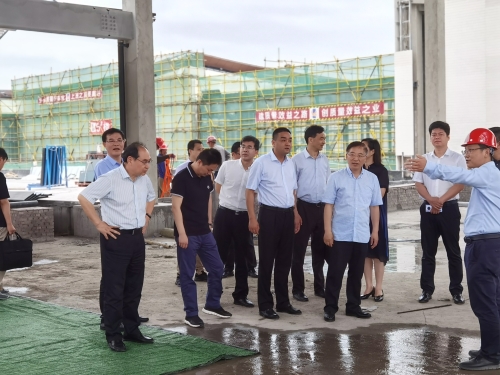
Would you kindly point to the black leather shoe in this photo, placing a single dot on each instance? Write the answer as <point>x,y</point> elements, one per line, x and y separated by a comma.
<point>458,299</point>
<point>329,317</point>
<point>320,293</point>
<point>117,345</point>
<point>252,273</point>
<point>300,296</point>
<point>227,273</point>
<point>366,296</point>
<point>143,320</point>
<point>479,363</point>
<point>137,336</point>
<point>269,314</point>
<point>290,310</point>
<point>243,302</point>
<point>379,298</point>
<point>425,297</point>
<point>359,314</point>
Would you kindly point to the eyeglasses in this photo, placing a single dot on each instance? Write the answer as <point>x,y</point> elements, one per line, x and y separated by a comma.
<point>353,155</point>
<point>114,140</point>
<point>468,151</point>
<point>438,135</point>
<point>249,148</point>
<point>145,161</point>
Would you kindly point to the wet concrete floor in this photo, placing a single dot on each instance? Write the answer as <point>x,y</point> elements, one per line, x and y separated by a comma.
<point>379,349</point>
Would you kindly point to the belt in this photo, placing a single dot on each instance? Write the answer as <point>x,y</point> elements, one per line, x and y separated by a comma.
<point>134,231</point>
<point>453,201</point>
<point>319,204</point>
<point>272,208</point>
<point>232,211</point>
<point>487,236</point>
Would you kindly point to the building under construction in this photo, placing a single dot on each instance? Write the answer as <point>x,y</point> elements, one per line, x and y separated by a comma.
<point>198,95</point>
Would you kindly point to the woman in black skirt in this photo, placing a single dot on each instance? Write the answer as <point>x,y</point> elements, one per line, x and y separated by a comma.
<point>379,255</point>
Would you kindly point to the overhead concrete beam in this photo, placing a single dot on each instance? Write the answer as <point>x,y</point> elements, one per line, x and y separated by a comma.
<point>68,19</point>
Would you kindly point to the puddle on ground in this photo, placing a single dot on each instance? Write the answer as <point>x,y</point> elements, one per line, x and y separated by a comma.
<point>403,257</point>
<point>379,349</point>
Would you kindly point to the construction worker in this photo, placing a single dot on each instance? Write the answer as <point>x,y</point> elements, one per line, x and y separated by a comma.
<point>482,236</point>
<point>496,154</point>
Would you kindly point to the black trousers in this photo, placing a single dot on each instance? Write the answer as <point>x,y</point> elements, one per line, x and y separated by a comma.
<point>122,277</point>
<point>276,235</point>
<point>312,226</point>
<point>447,225</point>
<point>338,257</point>
<point>251,259</point>
<point>232,226</point>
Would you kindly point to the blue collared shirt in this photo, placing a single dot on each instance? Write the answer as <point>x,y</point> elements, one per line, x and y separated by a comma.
<point>161,168</point>
<point>352,198</point>
<point>123,201</point>
<point>483,214</point>
<point>275,181</point>
<point>104,166</point>
<point>312,176</point>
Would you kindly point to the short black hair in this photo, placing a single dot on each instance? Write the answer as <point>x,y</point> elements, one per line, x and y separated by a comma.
<point>210,156</point>
<point>192,143</point>
<point>496,131</point>
<point>439,125</point>
<point>235,147</point>
<point>3,154</point>
<point>312,131</point>
<point>373,144</point>
<point>280,130</point>
<point>356,144</point>
<point>111,131</point>
<point>251,138</point>
<point>133,150</point>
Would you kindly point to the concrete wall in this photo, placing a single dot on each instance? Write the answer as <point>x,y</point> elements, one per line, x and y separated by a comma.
<point>34,223</point>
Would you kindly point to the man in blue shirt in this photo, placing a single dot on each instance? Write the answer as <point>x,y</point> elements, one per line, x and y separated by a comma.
<point>496,154</point>
<point>273,175</point>
<point>351,199</point>
<point>113,141</point>
<point>127,199</point>
<point>482,236</point>
<point>312,170</point>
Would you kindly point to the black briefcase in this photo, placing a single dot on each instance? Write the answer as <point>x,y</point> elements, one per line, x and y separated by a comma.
<point>16,253</point>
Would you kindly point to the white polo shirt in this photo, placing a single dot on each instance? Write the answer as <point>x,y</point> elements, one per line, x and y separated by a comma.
<point>437,188</point>
<point>233,178</point>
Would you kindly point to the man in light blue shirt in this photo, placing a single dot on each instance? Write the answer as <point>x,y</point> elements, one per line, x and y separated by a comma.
<point>312,170</point>
<point>127,199</point>
<point>482,236</point>
<point>113,141</point>
<point>351,199</point>
<point>273,175</point>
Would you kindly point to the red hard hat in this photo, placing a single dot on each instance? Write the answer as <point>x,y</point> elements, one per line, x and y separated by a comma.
<point>163,146</point>
<point>159,141</point>
<point>481,136</point>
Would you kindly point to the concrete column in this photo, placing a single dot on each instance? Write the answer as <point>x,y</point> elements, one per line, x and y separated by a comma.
<point>139,81</point>
<point>435,67</point>
<point>420,128</point>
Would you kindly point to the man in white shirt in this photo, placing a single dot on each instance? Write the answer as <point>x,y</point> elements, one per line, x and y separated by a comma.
<point>231,218</point>
<point>440,216</point>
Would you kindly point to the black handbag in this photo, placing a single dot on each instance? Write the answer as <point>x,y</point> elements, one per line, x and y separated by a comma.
<point>16,253</point>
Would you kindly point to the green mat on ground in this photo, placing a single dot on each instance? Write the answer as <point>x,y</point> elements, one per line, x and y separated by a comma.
<point>41,338</point>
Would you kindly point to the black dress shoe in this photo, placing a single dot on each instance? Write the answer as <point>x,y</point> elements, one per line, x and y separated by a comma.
<point>117,345</point>
<point>458,299</point>
<point>227,273</point>
<point>425,297</point>
<point>290,310</point>
<point>269,314</point>
<point>243,302</point>
<point>252,273</point>
<point>359,314</point>
<point>366,296</point>
<point>479,363</point>
<point>143,320</point>
<point>320,293</point>
<point>300,296</point>
<point>137,336</point>
<point>329,317</point>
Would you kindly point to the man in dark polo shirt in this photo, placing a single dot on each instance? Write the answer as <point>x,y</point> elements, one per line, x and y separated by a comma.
<point>192,209</point>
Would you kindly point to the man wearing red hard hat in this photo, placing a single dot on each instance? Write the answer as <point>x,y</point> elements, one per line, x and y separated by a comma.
<point>482,236</point>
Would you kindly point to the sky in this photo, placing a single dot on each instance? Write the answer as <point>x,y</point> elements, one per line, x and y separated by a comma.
<point>246,31</point>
